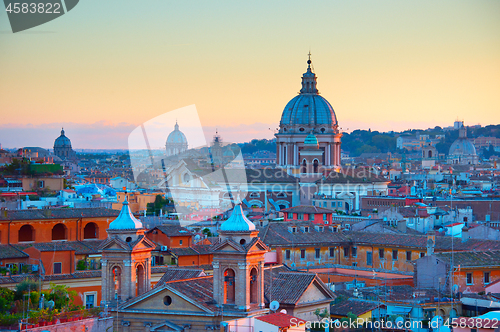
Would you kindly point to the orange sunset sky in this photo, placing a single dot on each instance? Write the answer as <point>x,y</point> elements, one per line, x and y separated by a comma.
<point>107,66</point>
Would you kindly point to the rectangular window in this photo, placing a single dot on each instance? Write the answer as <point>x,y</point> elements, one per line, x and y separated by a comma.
<point>369,259</point>
<point>288,254</point>
<point>486,278</point>
<point>290,215</point>
<point>324,216</point>
<point>324,204</point>
<point>180,242</point>
<point>317,253</point>
<point>395,255</point>
<point>302,253</point>
<point>381,253</point>
<point>333,204</point>
<point>422,254</point>
<point>339,204</point>
<point>355,264</point>
<point>346,252</point>
<point>408,256</point>
<point>311,216</point>
<point>469,280</point>
<point>57,268</point>
<point>89,301</point>
<point>354,252</point>
<point>300,216</point>
<point>332,251</point>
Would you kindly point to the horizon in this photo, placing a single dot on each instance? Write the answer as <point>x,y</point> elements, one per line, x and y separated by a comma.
<point>382,66</point>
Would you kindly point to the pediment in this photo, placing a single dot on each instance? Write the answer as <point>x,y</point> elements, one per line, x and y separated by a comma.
<point>258,246</point>
<point>314,292</point>
<point>157,300</point>
<point>228,245</point>
<point>114,244</point>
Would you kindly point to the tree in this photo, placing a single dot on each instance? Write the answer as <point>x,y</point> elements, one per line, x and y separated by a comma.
<point>6,299</point>
<point>321,313</point>
<point>207,232</point>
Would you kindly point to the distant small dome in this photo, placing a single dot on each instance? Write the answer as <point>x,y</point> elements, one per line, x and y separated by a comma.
<point>176,136</point>
<point>311,141</point>
<point>237,222</point>
<point>229,153</point>
<point>125,219</point>
<point>62,141</point>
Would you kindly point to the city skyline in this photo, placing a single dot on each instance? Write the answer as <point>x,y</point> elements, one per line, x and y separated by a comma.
<point>384,66</point>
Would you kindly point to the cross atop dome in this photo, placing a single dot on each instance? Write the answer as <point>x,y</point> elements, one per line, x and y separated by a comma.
<point>309,79</point>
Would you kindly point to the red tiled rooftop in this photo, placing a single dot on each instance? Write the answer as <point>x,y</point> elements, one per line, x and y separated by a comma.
<point>281,320</point>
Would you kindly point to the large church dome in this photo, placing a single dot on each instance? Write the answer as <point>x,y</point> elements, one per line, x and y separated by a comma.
<point>176,142</point>
<point>177,136</point>
<point>62,141</point>
<point>308,111</point>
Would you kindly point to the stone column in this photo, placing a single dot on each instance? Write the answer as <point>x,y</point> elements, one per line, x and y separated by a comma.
<point>128,281</point>
<point>104,281</point>
<point>242,287</point>
<point>217,285</point>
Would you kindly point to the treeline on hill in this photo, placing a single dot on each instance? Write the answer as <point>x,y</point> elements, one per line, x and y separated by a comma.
<point>367,141</point>
<point>258,145</point>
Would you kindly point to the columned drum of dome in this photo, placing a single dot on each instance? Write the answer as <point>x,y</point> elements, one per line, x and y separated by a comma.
<point>62,147</point>
<point>176,142</point>
<point>308,113</point>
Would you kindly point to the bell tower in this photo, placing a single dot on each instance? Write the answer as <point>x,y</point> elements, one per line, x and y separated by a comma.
<point>238,265</point>
<point>126,259</point>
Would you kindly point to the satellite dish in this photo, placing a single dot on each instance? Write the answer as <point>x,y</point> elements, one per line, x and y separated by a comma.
<point>51,304</point>
<point>455,289</point>
<point>274,305</point>
<point>293,264</point>
<point>283,311</point>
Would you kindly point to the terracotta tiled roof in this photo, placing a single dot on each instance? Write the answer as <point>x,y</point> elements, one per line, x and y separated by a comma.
<point>65,213</point>
<point>288,286</point>
<point>307,209</point>
<point>174,273</point>
<point>278,234</point>
<point>357,307</point>
<point>172,230</point>
<point>79,247</point>
<point>472,258</point>
<point>281,320</point>
<point>9,251</point>
<point>199,289</point>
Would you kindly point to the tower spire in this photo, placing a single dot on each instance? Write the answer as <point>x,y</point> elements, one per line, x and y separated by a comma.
<point>309,79</point>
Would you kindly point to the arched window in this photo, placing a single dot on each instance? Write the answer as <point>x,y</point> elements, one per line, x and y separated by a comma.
<point>315,166</point>
<point>254,286</point>
<point>59,232</point>
<point>117,282</point>
<point>140,274</point>
<point>26,233</point>
<point>304,166</point>
<point>430,153</point>
<point>91,231</point>
<point>229,287</point>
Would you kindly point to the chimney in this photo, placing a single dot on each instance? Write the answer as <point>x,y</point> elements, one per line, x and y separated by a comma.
<point>465,234</point>
<point>402,225</point>
<point>431,241</point>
